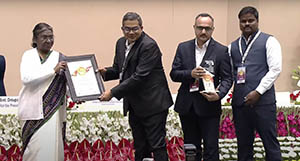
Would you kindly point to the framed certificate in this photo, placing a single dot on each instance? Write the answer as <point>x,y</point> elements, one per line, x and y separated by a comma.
<point>84,83</point>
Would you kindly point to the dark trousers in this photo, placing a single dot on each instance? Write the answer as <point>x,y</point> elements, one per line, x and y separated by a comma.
<point>195,129</point>
<point>260,118</point>
<point>149,136</point>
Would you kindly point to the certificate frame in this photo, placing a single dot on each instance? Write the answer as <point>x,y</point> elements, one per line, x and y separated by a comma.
<point>84,82</point>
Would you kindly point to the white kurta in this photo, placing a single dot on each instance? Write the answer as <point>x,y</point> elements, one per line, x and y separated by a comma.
<point>46,144</point>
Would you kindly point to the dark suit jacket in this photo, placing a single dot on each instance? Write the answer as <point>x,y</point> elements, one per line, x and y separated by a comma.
<point>2,71</point>
<point>143,87</point>
<point>183,64</point>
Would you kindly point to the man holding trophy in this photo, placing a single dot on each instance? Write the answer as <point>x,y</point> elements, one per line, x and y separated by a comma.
<point>202,65</point>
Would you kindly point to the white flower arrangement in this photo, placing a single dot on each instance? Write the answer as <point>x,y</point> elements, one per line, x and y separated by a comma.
<point>114,126</point>
<point>9,130</point>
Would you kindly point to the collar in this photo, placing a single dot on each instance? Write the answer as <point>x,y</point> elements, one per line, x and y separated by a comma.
<point>204,45</point>
<point>44,60</point>
<point>250,37</point>
<point>128,46</point>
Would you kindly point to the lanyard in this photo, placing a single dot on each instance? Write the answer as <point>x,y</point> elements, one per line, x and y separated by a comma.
<point>248,48</point>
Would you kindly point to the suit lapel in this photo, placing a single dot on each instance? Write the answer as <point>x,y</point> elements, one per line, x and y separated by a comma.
<point>122,52</point>
<point>133,50</point>
<point>193,54</point>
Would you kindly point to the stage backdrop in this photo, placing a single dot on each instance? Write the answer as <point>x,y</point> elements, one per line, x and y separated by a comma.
<point>93,26</point>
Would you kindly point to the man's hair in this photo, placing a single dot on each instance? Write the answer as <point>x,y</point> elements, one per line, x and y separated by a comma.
<point>205,15</point>
<point>38,28</point>
<point>132,16</point>
<point>248,9</point>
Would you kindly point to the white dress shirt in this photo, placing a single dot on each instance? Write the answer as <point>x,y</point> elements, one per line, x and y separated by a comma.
<point>274,61</point>
<point>200,52</point>
<point>128,48</point>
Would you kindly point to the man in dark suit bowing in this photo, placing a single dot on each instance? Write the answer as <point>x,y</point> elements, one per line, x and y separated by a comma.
<point>200,110</point>
<point>143,87</point>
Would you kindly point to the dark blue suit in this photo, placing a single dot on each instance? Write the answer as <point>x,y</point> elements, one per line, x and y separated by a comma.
<point>2,71</point>
<point>199,117</point>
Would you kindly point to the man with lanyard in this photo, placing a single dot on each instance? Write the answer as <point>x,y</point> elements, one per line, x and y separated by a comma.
<point>256,58</point>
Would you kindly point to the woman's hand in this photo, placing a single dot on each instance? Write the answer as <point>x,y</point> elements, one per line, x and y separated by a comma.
<point>60,66</point>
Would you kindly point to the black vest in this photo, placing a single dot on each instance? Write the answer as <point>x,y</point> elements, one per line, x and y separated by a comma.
<point>256,68</point>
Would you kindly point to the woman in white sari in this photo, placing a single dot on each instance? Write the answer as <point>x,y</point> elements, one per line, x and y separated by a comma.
<point>42,98</point>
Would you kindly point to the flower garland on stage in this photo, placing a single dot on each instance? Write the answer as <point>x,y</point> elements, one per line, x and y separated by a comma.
<point>113,126</point>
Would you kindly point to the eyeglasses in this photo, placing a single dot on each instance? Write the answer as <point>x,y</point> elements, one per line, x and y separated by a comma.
<point>133,29</point>
<point>207,29</point>
<point>46,37</point>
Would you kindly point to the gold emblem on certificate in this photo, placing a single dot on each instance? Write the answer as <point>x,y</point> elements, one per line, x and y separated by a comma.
<point>208,82</point>
<point>81,71</point>
<point>84,82</point>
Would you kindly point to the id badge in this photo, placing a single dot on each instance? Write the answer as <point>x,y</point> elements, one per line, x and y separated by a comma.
<point>194,86</point>
<point>241,75</point>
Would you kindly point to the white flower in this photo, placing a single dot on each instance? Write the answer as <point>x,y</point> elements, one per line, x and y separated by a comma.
<point>257,139</point>
<point>297,148</point>
<point>228,140</point>
<point>259,143</point>
<point>281,138</point>
<point>234,144</point>
<point>224,150</point>
<point>285,155</point>
<point>226,156</point>
<point>258,149</point>
<point>292,154</point>
<point>234,156</point>
<point>234,150</point>
<point>115,138</point>
<point>221,157</point>
<point>289,149</point>
<point>258,155</point>
<point>92,131</point>
<point>290,138</point>
<point>295,143</point>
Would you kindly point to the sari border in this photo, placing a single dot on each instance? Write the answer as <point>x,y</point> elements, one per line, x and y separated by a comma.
<point>52,100</point>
